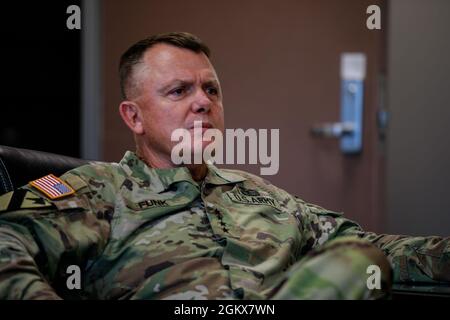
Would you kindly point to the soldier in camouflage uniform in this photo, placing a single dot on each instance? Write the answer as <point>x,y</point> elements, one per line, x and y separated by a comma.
<point>142,229</point>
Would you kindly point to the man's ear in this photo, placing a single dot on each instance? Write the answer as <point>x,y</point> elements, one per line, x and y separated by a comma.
<point>132,116</point>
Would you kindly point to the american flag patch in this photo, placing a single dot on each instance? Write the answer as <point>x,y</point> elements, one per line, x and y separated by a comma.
<point>52,186</point>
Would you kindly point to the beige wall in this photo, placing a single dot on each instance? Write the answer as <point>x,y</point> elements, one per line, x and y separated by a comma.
<point>418,171</point>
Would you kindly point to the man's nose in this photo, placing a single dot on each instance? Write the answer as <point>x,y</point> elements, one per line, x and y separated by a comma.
<point>202,102</point>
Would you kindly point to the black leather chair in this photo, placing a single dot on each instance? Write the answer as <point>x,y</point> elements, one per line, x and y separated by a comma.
<point>20,166</point>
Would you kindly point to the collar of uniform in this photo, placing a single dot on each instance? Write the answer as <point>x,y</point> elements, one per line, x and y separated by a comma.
<point>158,179</point>
<point>219,177</point>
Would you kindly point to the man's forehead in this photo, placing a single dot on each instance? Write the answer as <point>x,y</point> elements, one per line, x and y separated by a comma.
<point>164,63</point>
<point>167,57</point>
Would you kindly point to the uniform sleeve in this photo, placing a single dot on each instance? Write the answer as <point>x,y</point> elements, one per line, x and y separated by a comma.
<point>413,259</point>
<point>41,238</point>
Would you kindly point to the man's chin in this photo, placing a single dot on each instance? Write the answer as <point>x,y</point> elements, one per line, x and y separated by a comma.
<point>198,148</point>
<point>194,153</point>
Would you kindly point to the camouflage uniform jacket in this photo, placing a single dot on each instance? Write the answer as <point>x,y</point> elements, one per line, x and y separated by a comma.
<point>141,233</point>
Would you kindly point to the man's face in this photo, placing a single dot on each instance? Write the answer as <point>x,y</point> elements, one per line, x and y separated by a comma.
<point>175,88</point>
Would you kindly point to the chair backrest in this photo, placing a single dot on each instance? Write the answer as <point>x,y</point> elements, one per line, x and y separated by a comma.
<point>20,166</point>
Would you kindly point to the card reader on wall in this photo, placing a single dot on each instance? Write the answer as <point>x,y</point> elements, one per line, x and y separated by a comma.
<point>349,129</point>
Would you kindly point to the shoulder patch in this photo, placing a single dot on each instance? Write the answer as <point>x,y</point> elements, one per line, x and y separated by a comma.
<point>52,187</point>
<point>22,199</point>
<point>74,181</point>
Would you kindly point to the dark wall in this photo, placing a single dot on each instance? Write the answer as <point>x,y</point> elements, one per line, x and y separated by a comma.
<point>40,77</point>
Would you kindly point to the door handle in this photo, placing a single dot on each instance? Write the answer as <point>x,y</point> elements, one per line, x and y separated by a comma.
<point>349,129</point>
<point>333,129</point>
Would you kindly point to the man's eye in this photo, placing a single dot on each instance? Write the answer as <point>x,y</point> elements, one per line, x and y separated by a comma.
<point>213,91</point>
<point>177,92</point>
